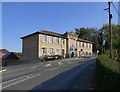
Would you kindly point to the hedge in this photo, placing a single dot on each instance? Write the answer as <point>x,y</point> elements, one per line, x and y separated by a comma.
<point>108,74</point>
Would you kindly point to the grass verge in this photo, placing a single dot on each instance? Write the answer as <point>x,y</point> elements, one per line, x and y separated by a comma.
<point>108,74</point>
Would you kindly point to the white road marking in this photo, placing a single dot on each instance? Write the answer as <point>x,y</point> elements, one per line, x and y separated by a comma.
<point>3,70</point>
<point>16,79</point>
<point>34,67</point>
<point>28,76</point>
<point>54,69</point>
<point>60,63</point>
<point>9,71</point>
<point>21,81</point>
<point>48,65</point>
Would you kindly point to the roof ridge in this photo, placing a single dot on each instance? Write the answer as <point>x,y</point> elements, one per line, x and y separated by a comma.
<point>49,31</point>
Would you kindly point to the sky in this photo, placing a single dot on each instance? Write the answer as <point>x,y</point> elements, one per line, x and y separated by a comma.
<point>22,18</point>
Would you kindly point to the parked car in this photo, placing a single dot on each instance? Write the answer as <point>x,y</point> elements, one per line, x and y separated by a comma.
<point>50,57</point>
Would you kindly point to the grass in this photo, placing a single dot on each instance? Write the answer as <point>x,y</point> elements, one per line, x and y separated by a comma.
<point>108,73</point>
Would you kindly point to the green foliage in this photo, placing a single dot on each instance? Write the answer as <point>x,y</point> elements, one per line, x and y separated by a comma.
<point>91,34</point>
<point>94,35</point>
<point>116,43</point>
<point>18,54</point>
<point>115,54</point>
<point>115,34</point>
<point>108,73</point>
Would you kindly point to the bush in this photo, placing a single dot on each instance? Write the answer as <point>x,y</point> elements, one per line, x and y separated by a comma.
<point>18,54</point>
<point>108,73</point>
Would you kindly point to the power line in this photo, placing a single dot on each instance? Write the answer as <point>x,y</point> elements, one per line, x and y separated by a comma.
<point>115,8</point>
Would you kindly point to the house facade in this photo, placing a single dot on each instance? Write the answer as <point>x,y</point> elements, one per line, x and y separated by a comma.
<point>48,43</point>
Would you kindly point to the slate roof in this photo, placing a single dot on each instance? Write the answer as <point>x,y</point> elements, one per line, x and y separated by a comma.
<point>5,54</point>
<point>45,32</point>
<point>50,33</point>
<point>79,39</point>
<point>10,55</point>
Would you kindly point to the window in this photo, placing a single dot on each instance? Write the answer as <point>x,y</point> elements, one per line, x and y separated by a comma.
<point>63,52</point>
<point>44,51</point>
<point>57,52</point>
<point>62,41</point>
<point>44,38</point>
<point>51,51</point>
<point>89,45</point>
<point>83,44</point>
<point>72,47</point>
<point>78,43</point>
<point>57,40</point>
<point>51,39</point>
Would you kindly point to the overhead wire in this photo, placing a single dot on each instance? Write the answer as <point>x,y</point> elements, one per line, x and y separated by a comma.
<point>115,9</point>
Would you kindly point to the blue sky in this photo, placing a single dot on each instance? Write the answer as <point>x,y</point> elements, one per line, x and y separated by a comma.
<point>20,19</point>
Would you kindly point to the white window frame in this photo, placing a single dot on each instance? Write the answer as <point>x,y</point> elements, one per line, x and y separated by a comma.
<point>51,51</point>
<point>57,51</point>
<point>44,51</point>
<point>44,38</point>
<point>83,45</point>
<point>62,41</point>
<point>57,40</point>
<point>90,46</point>
<point>51,39</point>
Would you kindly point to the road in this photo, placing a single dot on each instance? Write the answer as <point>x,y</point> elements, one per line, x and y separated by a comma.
<point>52,75</point>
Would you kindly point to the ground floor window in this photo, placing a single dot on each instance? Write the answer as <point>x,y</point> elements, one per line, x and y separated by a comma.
<point>86,53</point>
<point>57,52</point>
<point>51,51</point>
<point>44,51</point>
<point>63,52</point>
<point>79,53</point>
<point>90,53</point>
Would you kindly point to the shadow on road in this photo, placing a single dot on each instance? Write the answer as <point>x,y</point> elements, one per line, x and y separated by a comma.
<point>81,77</point>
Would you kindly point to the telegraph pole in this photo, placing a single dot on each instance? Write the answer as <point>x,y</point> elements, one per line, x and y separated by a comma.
<point>110,28</point>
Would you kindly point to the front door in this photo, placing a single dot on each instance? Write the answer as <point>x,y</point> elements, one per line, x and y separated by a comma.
<point>63,52</point>
<point>72,54</point>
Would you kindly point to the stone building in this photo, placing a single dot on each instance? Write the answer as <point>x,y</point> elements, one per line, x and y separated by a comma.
<point>48,43</point>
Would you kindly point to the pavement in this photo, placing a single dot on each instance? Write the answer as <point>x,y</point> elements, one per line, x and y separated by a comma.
<point>48,75</point>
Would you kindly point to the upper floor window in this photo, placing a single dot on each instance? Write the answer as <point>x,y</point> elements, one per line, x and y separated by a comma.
<point>89,45</point>
<point>62,41</point>
<point>83,44</point>
<point>78,44</point>
<point>44,38</point>
<point>44,51</point>
<point>57,40</point>
<point>51,39</point>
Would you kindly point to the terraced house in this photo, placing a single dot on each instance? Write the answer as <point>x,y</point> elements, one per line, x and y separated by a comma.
<point>46,43</point>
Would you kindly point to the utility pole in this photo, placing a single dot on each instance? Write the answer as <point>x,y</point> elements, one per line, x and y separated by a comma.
<point>110,28</point>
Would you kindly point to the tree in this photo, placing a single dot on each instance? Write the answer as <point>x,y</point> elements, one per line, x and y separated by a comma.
<point>115,39</point>
<point>116,35</point>
<point>18,54</point>
<point>91,34</point>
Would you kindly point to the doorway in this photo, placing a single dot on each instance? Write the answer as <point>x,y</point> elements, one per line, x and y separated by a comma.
<point>72,54</point>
